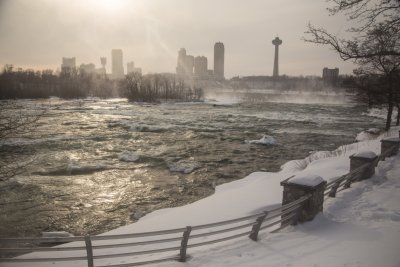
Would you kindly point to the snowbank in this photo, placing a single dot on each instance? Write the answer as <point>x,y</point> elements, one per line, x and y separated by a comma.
<point>307,180</point>
<point>360,227</point>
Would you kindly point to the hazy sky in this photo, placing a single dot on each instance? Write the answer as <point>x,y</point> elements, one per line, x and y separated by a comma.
<point>38,33</point>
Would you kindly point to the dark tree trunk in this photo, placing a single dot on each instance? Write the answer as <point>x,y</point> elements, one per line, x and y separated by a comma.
<point>398,115</point>
<point>389,113</point>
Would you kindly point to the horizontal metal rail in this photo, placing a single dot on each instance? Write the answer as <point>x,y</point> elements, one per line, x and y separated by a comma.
<point>39,249</point>
<point>221,223</point>
<point>36,240</point>
<point>44,259</point>
<point>133,235</point>
<point>276,222</point>
<point>135,253</point>
<point>141,263</point>
<point>222,231</point>
<point>218,240</point>
<point>137,243</point>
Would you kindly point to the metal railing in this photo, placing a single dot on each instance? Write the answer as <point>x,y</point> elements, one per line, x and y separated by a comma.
<point>92,248</point>
<point>343,182</point>
<point>89,248</point>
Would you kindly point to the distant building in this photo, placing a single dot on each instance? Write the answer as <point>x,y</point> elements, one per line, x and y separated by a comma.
<point>200,67</point>
<point>330,75</point>
<point>130,68</point>
<point>68,64</point>
<point>117,67</point>
<point>185,64</point>
<point>102,70</point>
<point>87,68</point>
<point>219,61</point>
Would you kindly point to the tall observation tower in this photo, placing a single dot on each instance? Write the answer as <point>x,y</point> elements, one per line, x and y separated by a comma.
<point>276,42</point>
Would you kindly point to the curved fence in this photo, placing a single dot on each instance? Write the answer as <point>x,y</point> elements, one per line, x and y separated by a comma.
<point>90,248</point>
<point>170,244</point>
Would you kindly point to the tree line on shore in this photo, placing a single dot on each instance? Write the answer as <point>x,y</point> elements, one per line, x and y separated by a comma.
<point>75,83</point>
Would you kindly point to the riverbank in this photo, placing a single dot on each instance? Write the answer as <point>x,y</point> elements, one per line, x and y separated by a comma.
<point>100,164</point>
<point>358,228</point>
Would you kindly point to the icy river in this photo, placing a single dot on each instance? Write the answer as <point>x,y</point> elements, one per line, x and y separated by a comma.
<point>99,164</point>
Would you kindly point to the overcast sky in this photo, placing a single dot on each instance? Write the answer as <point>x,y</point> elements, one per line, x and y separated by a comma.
<point>38,33</point>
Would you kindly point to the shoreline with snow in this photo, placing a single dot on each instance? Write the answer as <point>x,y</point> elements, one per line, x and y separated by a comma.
<point>339,229</point>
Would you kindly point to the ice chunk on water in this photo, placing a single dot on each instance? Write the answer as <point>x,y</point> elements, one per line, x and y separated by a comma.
<point>183,167</point>
<point>128,156</point>
<point>265,140</point>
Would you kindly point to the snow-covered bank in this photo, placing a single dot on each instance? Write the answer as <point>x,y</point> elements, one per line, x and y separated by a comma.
<point>358,228</point>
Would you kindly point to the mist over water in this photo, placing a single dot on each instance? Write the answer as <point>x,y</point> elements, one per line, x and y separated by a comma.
<point>100,164</point>
<point>235,96</point>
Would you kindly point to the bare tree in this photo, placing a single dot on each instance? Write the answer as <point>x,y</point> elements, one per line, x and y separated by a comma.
<point>375,45</point>
<point>370,15</point>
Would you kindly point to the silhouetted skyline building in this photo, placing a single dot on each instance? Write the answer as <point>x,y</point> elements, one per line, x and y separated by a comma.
<point>185,64</point>
<point>68,64</point>
<point>130,68</point>
<point>276,42</point>
<point>87,68</point>
<point>117,67</point>
<point>102,69</point>
<point>219,61</point>
<point>201,67</point>
<point>330,75</point>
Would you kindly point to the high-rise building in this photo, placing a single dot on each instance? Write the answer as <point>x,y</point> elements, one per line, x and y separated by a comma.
<point>87,68</point>
<point>200,67</point>
<point>130,68</point>
<point>219,58</point>
<point>117,67</point>
<point>185,64</point>
<point>102,70</point>
<point>276,42</point>
<point>330,75</point>
<point>68,64</point>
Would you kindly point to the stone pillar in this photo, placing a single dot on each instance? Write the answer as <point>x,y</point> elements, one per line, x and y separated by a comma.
<point>361,159</point>
<point>299,186</point>
<point>390,146</point>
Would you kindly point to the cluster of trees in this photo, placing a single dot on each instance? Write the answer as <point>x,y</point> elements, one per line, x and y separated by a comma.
<point>374,47</point>
<point>70,83</point>
<point>76,83</point>
<point>157,87</point>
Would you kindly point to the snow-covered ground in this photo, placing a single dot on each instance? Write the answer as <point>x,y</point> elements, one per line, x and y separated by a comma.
<point>360,227</point>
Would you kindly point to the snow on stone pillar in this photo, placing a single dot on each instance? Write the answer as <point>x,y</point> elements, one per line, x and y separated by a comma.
<point>302,185</point>
<point>363,159</point>
<point>390,146</point>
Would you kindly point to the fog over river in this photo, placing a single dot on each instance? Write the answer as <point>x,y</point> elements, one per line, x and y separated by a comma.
<point>99,164</point>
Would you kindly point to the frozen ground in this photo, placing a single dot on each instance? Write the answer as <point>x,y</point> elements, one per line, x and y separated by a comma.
<point>360,227</point>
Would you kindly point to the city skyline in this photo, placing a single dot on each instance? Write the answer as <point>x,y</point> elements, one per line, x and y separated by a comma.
<point>152,32</point>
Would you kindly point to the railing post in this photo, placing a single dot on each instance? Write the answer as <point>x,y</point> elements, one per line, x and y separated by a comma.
<point>389,147</point>
<point>332,192</point>
<point>300,186</point>
<point>89,251</point>
<point>256,227</point>
<point>348,182</point>
<point>184,242</point>
<point>366,161</point>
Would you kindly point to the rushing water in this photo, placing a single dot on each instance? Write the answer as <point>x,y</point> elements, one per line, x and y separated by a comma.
<point>100,164</point>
